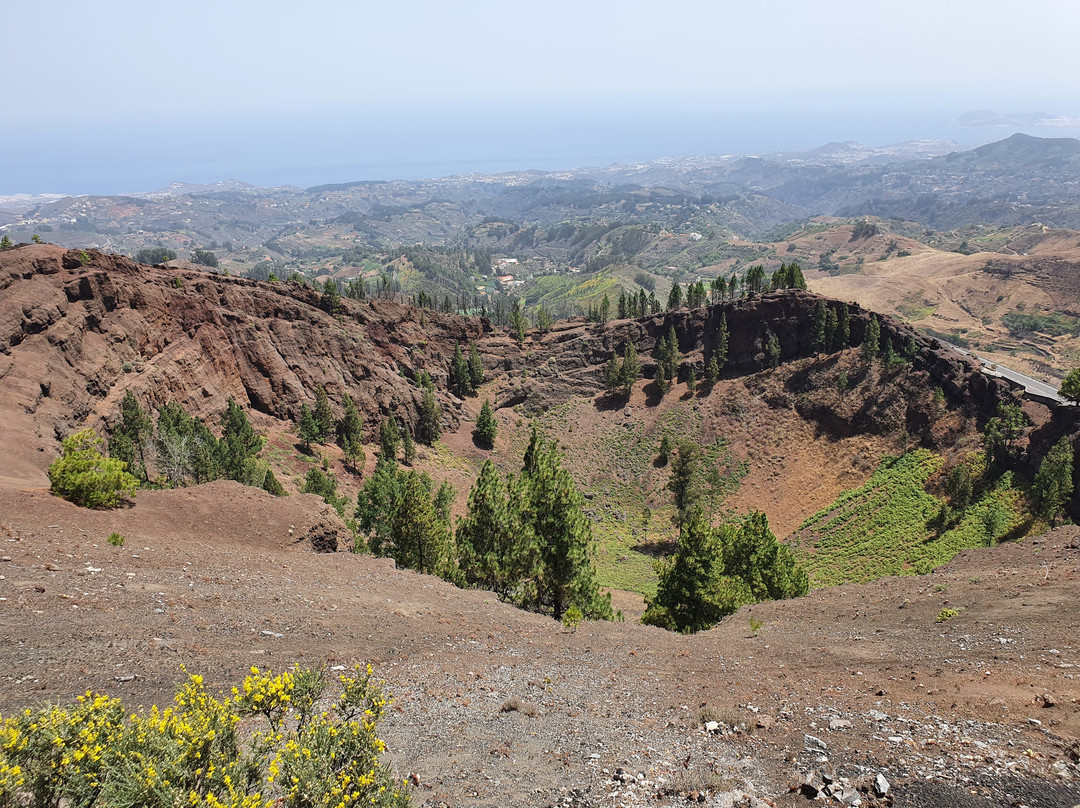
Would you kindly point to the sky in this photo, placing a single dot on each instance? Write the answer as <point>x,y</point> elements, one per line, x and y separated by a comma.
<point>107,96</point>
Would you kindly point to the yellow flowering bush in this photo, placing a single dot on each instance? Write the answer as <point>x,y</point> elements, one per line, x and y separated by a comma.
<point>198,752</point>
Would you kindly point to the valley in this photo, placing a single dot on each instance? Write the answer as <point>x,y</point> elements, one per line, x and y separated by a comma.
<point>498,706</point>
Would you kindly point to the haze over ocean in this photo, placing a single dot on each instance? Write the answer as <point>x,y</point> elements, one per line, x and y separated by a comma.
<point>112,158</point>
<point>144,94</point>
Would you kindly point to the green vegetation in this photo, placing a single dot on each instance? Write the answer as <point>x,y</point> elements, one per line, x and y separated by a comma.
<point>871,344</point>
<point>863,229</point>
<point>116,540</point>
<point>83,475</point>
<point>185,451</point>
<point>204,257</point>
<point>324,484</point>
<point>526,538</point>
<point>277,740</point>
<point>323,415</point>
<point>460,376</point>
<point>714,571</point>
<point>5,242</point>
<point>486,426</point>
<point>154,255</point>
<point>620,376</point>
<point>1070,387</point>
<point>350,435</point>
<point>1054,324</point>
<point>1053,484</point>
<point>892,526</point>
<point>946,614</point>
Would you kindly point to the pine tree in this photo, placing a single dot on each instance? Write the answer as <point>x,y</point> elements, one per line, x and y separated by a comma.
<point>754,282</point>
<point>662,384</point>
<point>1053,484</point>
<point>350,434</point>
<point>683,472</point>
<point>476,367</point>
<point>772,351</point>
<point>128,439</point>
<point>691,380</point>
<point>563,536</point>
<point>693,593</point>
<point>377,504</point>
<point>460,377</point>
<point>323,415</point>
<point>486,426</point>
<point>720,349</point>
<point>818,340</point>
<point>831,324</point>
<point>872,341</point>
<point>622,311</point>
<point>752,554</point>
<point>517,322</point>
<point>843,329</point>
<point>308,429</point>
<point>186,449</point>
<point>714,572</point>
<point>669,355</point>
<point>612,375</point>
<point>428,428</point>
<point>389,438</point>
<point>488,546</point>
<point>631,369</point>
<point>796,279</point>
<point>331,297</point>
<point>605,309</point>
<point>421,540</point>
<point>238,446</point>
<point>675,297</point>
<point>324,484</point>
<point>712,371</point>
<point>408,446</point>
<point>1070,386</point>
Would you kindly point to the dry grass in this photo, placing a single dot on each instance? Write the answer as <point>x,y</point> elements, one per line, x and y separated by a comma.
<point>516,705</point>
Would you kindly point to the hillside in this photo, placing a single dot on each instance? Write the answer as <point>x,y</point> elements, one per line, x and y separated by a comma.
<point>220,577</point>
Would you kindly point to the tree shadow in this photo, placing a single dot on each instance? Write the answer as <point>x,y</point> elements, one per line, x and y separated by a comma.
<point>607,403</point>
<point>656,549</point>
<point>481,443</point>
<point>653,396</point>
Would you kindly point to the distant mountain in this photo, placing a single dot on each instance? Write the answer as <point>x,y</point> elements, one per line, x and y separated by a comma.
<point>987,117</point>
<point>1016,181</point>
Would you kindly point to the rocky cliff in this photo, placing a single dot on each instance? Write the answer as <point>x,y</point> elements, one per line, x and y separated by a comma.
<point>80,328</point>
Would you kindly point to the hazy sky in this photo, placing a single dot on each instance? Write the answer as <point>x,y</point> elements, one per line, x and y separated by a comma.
<point>85,83</point>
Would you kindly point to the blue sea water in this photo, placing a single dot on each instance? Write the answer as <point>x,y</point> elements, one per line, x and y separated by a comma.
<point>310,149</point>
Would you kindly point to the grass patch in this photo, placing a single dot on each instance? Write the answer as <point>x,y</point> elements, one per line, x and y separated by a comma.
<point>885,527</point>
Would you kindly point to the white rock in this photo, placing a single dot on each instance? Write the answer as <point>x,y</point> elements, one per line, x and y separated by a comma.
<point>881,785</point>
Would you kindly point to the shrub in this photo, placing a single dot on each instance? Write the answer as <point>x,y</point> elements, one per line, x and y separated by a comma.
<point>198,751</point>
<point>83,475</point>
<point>116,540</point>
<point>947,614</point>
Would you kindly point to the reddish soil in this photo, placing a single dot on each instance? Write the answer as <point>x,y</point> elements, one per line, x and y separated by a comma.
<point>983,709</point>
<point>211,577</point>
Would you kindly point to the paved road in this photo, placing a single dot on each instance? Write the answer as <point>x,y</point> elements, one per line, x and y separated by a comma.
<point>995,369</point>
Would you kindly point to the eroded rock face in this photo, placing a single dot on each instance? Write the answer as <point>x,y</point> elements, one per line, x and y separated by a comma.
<point>80,328</point>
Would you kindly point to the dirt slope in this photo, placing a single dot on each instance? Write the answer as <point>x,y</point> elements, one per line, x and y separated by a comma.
<point>210,577</point>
